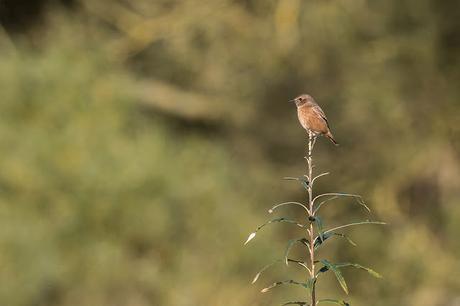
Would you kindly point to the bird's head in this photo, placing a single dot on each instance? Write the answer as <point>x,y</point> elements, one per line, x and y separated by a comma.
<point>301,100</point>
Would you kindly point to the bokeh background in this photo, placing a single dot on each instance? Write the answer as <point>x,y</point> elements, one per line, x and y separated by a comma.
<point>142,141</point>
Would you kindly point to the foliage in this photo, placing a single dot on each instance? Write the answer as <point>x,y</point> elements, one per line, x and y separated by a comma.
<point>139,139</point>
<point>313,239</point>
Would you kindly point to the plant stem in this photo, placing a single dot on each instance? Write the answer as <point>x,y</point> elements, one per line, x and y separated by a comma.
<point>311,140</point>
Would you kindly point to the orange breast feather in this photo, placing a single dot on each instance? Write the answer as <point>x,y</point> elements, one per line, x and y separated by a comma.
<point>310,120</point>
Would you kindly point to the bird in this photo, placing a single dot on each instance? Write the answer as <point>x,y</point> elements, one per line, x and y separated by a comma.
<point>312,117</point>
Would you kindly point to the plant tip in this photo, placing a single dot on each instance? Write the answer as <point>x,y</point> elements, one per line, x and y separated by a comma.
<point>251,236</point>
<point>255,278</point>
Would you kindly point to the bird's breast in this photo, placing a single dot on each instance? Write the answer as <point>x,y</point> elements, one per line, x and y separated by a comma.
<point>311,121</point>
<point>302,113</point>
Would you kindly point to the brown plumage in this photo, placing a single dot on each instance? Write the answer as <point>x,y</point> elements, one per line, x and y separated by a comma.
<point>312,117</point>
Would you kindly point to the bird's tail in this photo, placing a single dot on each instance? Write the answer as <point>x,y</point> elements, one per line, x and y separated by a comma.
<point>331,138</point>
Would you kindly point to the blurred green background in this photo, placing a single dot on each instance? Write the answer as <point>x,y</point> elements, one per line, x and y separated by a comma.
<point>142,141</point>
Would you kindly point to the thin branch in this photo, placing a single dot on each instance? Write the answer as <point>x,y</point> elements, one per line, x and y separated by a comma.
<point>314,141</point>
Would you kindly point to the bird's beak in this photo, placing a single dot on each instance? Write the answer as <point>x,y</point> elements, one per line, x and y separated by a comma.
<point>293,100</point>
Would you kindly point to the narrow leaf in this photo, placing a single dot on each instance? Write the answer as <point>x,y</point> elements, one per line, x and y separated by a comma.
<point>346,237</point>
<point>300,263</point>
<point>250,237</point>
<point>253,234</point>
<point>358,199</point>
<point>256,278</point>
<point>318,176</point>
<point>286,282</point>
<point>337,273</point>
<point>319,242</point>
<point>302,179</point>
<point>338,194</point>
<point>353,224</point>
<point>369,270</point>
<point>332,301</point>
<point>279,220</point>
<point>289,246</point>
<point>310,284</point>
<point>290,178</point>
<point>271,210</point>
<point>263,269</point>
<point>319,226</point>
<point>305,184</point>
<point>295,303</point>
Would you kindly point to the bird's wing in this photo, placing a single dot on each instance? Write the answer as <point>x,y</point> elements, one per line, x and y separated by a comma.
<point>321,114</point>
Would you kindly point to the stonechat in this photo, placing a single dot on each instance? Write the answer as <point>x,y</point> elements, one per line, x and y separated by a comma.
<point>312,117</point>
